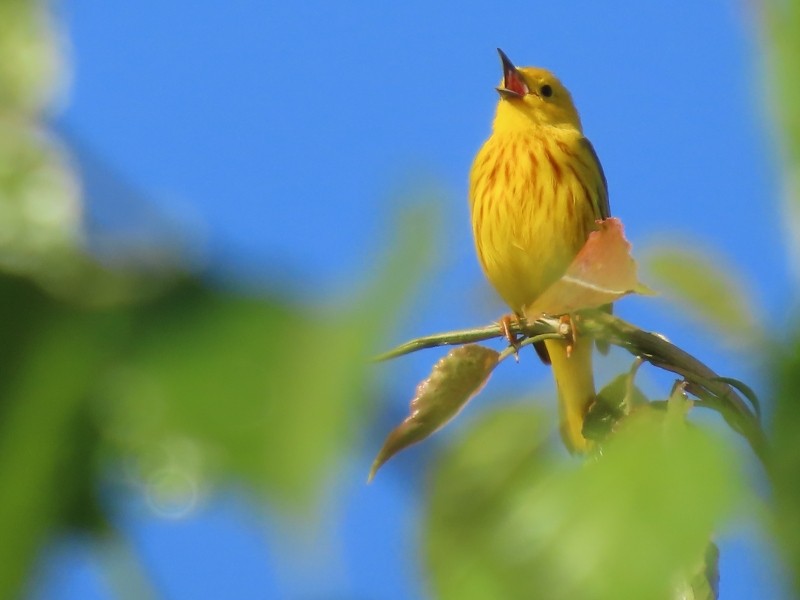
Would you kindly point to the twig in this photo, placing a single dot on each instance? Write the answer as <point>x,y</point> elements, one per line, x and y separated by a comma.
<point>527,342</point>
<point>713,391</point>
<point>703,382</point>
<point>469,336</point>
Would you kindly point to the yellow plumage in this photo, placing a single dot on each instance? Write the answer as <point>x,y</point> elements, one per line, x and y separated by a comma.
<point>536,190</point>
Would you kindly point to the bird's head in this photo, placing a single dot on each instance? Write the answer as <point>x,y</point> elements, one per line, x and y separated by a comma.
<point>532,96</point>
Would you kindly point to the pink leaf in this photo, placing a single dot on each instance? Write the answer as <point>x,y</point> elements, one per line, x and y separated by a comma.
<point>603,271</point>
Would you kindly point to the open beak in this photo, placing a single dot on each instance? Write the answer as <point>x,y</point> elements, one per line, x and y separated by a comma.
<point>514,85</point>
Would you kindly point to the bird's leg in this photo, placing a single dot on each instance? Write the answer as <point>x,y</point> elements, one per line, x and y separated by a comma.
<point>566,327</point>
<point>511,337</point>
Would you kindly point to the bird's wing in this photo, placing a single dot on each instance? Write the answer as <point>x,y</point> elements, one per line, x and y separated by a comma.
<point>605,210</point>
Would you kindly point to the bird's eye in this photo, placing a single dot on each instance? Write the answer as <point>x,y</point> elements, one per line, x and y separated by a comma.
<point>546,91</point>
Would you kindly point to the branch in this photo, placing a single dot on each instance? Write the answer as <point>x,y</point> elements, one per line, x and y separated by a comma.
<point>469,336</point>
<point>711,390</point>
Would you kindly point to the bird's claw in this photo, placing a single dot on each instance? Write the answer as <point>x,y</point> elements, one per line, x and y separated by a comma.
<point>511,337</point>
<point>566,327</point>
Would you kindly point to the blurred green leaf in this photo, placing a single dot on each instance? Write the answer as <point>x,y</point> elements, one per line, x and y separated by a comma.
<point>406,257</point>
<point>473,485</point>
<point>31,63</point>
<point>453,381</point>
<point>782,45</point>
<point>783,48</point>
<point>46,440</point>
<point>785,463</point>
<point>191,387</point>
<point>782,19</point>
<point>223,386</point>
<point>508,521</point>
<point>706,285</point>
<point>704,585</point>
<point>40,206</point>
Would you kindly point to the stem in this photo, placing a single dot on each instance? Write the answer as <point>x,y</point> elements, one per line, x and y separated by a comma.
<point>469,336</point>
<point>527,342</point>
<point>702,382</point>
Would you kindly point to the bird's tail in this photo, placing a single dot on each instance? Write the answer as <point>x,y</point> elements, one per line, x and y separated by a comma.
<point>575,383</point>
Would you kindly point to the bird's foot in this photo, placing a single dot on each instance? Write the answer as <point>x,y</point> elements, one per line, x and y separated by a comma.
<point>566,327</point>
<point>505,324</point>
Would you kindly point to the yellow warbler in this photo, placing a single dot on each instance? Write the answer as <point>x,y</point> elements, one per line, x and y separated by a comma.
<point>536,191</point>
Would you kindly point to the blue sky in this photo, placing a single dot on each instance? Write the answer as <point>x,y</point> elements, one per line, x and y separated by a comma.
<point>288,136</point>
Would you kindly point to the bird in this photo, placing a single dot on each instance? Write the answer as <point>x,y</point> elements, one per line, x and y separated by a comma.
<point>536,192</point>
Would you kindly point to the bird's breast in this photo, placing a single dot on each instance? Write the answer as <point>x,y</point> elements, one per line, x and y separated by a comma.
<point>532,205</point>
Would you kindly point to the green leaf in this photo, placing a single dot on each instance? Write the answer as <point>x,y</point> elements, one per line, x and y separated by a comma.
<point>453,381</point>
<point>32,65</point>
<point>745,390</point>
<point>506,520</point>
<point>191,388</point>
<point>785,457</point>
<point>704,585</point>
<point>40,204</point>
<point>708,286</point>
<point>45,445</point>
<point>782,46</point>
<point>613,402</point>
<point>221,386</point>
<point>471,487</point>
<point>782,20</point>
